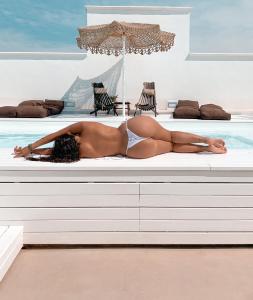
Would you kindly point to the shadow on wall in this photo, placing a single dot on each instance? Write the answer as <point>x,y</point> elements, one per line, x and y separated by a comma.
<point>79,96</point>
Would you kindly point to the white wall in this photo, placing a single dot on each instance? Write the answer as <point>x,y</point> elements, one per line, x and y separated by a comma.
<point>40,79</point>
<point>223,79</point>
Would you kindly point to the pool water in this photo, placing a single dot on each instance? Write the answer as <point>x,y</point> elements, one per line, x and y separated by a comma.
<point>232,141</point>
<point>12,140</point>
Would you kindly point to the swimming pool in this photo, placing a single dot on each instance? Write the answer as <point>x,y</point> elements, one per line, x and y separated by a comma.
<point>21,133</point>
<point>12,140</point>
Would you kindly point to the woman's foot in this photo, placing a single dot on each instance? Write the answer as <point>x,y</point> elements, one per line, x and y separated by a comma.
<point>217,149</point>
<point>216,142</point>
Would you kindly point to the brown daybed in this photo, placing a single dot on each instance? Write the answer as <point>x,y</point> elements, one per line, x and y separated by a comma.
<point>189,109</point>
<point>213,112</point>
<point>33,109</point>
<point>8,112</point>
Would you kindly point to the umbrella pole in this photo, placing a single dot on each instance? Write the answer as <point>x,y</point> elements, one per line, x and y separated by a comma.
<point>123,75</point>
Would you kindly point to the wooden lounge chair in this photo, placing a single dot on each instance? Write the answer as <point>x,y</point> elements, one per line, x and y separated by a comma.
<point>147,100</point>
<point>102,101</point>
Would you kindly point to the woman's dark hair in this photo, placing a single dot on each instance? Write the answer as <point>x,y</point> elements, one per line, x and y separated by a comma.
<point>65,150</point>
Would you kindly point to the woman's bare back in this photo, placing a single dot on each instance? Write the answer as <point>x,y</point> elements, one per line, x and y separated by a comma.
<point>98,140</point>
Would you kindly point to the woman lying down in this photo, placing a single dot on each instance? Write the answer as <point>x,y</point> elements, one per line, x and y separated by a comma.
<point>138,137</point>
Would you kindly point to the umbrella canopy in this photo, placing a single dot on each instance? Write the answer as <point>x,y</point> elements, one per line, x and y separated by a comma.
<point>121,37</point>
<point>139,38</point>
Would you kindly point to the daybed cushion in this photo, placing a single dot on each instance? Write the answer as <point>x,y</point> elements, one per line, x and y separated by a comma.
<point>8,112</point>
<point>186,112</point>
<point>213,112</point>
<point>191,103</point>
<point>58,103</point>
<point>54,107</point>
<point>53,110</point>
<point>204,106</point>
<point>32,103</point>
<point>26,111</point>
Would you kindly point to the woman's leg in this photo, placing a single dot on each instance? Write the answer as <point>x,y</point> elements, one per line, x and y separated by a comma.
<point>190,148</point>
<point>151,147</point>
<point>148,127</point>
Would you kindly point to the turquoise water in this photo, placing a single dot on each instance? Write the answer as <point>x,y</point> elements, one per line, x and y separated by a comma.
<point>232,141</point>
<point>12,140</point>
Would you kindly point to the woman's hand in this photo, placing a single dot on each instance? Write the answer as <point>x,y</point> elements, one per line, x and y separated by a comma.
<point>21,152</point>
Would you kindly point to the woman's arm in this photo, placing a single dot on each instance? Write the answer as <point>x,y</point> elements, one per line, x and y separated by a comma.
<point>21,152</point>
<point>43,151</point>
<point>72,129</point>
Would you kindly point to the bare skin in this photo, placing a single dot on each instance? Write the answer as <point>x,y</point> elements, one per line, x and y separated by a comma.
<point>99,140</point>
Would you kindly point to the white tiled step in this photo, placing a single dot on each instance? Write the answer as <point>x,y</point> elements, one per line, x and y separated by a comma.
<point>11,241</point>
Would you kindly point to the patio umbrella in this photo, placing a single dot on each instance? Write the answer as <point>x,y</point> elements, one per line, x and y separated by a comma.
<point>120,38</point>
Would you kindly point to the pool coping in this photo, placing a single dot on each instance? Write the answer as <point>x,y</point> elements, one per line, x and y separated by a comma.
<point>234,160</point>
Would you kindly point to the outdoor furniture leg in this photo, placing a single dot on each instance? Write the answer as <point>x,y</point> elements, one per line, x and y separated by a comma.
<point>94,112</point>
<point>155,112</point>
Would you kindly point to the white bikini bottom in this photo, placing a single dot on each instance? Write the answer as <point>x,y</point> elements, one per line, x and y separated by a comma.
<point>133,139</point>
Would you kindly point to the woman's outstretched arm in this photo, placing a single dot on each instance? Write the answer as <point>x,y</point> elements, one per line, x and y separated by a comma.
<point>72,129</point>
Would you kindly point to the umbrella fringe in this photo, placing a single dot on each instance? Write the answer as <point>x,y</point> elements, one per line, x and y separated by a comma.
<point>117,52</point>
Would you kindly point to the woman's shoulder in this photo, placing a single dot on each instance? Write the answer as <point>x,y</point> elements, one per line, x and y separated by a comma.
<point>89,125</point>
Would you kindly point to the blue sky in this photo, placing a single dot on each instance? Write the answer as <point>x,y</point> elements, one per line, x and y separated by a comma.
<point>50,25</point>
